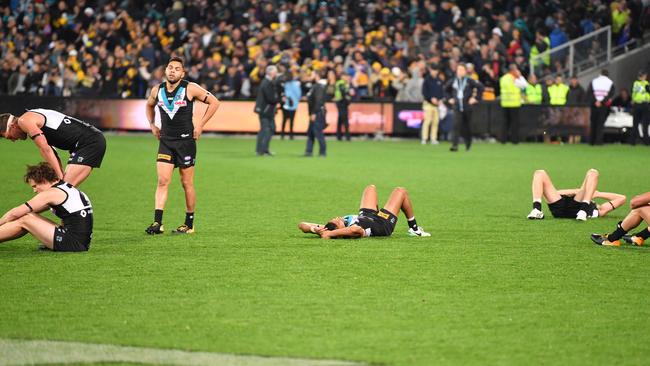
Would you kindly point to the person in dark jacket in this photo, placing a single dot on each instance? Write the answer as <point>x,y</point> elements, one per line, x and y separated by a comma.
<point>267,100</point>
<point>432,93</point>
<point>577,94</point>
<point>316,98</point>
<point>463,93</point>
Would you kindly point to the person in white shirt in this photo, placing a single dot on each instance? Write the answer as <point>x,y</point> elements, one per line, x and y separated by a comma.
<point>601,92</point>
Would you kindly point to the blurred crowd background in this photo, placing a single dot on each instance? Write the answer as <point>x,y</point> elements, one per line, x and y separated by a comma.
<point>118,49</point>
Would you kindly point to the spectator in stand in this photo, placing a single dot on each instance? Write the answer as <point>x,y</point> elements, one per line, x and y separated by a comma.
<point>576,95</point>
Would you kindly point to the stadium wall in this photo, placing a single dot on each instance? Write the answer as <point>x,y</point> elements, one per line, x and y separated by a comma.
<point>395,119</point>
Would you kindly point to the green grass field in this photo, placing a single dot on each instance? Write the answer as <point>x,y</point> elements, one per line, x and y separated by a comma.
<point>488,288</point>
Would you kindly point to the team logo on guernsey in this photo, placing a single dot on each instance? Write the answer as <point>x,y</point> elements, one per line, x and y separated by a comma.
<point>171,106</point>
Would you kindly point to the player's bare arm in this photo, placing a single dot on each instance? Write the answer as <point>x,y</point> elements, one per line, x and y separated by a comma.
<point>29,123</point>
<point>196,92</point>
<point>151,113</point>
<point>38,203</point>
<point>308,227</point>
<point>351,232</point>
<point>614,201</point>
<point>640,200</point>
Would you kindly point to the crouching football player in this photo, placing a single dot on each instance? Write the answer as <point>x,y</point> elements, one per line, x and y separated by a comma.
<point>67,202</point>
<point>572,203</point>
<point>371,221</point>
<point>640,212</point>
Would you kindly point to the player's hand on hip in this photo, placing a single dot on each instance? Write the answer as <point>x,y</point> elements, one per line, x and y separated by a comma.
<point>197,132</point>
<point>156,131</point>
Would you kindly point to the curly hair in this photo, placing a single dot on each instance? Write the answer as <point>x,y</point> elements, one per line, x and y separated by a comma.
<point>41,173</point>
<point>4,120</point>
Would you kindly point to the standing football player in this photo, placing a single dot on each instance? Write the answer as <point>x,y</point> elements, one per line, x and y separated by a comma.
<point>177,135</point>
<point>48,129</point>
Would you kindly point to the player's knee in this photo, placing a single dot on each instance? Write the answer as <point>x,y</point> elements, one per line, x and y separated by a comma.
<point>371,186</point>
<point>187,183</point>
<point>400,190</point>
<point>163,181</point>
<point>540,172</point>
<point>593,172</point>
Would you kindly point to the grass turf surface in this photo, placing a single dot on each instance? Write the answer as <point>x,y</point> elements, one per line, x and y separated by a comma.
<point>489,287</point>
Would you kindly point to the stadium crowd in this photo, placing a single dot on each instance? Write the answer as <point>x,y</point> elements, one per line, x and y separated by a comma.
<point>119,48</point>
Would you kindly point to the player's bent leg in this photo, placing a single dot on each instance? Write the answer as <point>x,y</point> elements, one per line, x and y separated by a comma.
<point>11,230</point>
<point>40,227</point>
<point>542,186</point>
<point>369,198</point>
<point>400,200</point>
<point>76,174</point>
<point>588,187</point>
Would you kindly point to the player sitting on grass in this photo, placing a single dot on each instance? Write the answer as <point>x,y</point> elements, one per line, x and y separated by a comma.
<point>572,203</point>
<point>371,221</point>
<point>67,202</point>
<point>640,206</point>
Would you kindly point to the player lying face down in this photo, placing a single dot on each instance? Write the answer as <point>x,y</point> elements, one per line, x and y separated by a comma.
<point>371,221</point>
<point>640,211</point>
<point>68,203</point>
<point>572,203</point>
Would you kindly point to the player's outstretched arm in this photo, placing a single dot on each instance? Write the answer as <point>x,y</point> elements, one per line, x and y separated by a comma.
<point>351,232</point>
<point>39,203</point>
<point>27,123</point>
<point>196,92</point>
<point>308,227</point>
<point>615,200</point>
<point>151,113</point>
<point>640,200</point>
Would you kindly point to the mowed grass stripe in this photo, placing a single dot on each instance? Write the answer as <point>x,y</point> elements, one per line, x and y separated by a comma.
<point>41,352</point>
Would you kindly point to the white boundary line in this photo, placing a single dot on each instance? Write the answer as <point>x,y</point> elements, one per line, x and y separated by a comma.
<point>16,352</point>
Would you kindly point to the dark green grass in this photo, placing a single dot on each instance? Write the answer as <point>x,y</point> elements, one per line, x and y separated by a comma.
<point>489,287</point>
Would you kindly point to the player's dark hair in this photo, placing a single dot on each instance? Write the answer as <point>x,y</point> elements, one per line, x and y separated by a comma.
<point>330,226</point>
<point>41,173</point>
<point>177,59</point>
<point>4,120</point>
<point>604,72</point>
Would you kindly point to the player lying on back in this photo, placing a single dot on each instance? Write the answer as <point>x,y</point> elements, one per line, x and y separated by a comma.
<point>572,203</point>
<point>67,202</point>
<point>640,212</point>
<point>371,221</point>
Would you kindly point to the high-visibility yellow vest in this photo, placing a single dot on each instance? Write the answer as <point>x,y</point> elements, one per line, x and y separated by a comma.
<point>546,59</point>
<point>557,94</point>
<point>534,94</point>
<point>510,94</point>
<point>640,92</point>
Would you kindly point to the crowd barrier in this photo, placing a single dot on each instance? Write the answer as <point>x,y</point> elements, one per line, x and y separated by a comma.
<point>393,119</point>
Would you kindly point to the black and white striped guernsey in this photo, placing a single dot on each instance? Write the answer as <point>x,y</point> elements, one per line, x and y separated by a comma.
<point>76,212</point>
<point>65,132</point>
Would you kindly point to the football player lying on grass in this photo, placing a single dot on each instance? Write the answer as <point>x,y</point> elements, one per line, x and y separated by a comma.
<point>572,203</point>
<point>67,202</point>
<point>371,221</point>
<point>640,212</point>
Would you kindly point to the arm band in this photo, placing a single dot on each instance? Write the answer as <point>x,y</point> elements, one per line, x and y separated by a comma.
<point>206,96</point>
<point>613,207</point>
<point>35,136</point>
<point>29,207</point>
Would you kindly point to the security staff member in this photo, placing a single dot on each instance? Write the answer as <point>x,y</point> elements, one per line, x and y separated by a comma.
<point>511,85</point>
<point>534,91</point>
<point>558,92</point>
<point>601,91</point>
<point>640,110</point>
